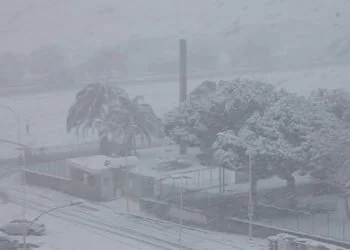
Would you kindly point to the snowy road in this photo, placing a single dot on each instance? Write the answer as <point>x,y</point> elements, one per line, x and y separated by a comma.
<point>130,229</point>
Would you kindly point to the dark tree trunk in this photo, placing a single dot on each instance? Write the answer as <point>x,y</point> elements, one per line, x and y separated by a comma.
<point>134,145</point>
<point>105,147</point>
<point>254,187</point>
<point>347,209</point>
<point>291,192</point>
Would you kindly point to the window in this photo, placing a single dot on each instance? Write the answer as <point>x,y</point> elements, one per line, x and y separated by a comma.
<point>106,181</point>
<point>91,180</point>
<point>77,174</point>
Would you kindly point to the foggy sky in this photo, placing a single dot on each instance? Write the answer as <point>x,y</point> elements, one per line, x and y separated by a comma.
<point>26,25</point>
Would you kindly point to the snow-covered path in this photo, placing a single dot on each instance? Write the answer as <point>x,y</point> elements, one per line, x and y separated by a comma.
<point>129,229</point>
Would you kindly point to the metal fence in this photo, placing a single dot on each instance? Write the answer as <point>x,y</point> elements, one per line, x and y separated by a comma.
<point>326,225</point>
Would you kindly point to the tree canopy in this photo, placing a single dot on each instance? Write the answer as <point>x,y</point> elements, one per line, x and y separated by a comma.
<point>107,110</point>
<point>284,133</point>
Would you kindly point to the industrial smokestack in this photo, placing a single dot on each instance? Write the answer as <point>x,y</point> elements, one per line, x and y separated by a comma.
<point>183,82</point>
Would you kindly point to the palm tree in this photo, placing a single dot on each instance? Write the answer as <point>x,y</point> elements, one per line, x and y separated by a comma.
<point>92,105</point>
<point>133,118</point>
<point>107,110</point>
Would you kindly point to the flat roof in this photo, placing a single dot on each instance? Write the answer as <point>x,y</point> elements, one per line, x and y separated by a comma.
<point>165,161</point>
<point>98,162</point>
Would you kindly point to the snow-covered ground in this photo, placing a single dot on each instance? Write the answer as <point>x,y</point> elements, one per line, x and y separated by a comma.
<point>92,225</point>
<point>46,112</point>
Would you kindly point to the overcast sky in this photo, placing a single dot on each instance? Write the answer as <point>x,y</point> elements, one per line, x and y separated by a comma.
<point>28,24</point>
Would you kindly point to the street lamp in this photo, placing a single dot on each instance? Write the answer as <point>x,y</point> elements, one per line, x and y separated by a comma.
<point>182,177</point>
<point>21,147</point>
<point>251,205</point>
<point>18,125</point>
<point>71,204</point>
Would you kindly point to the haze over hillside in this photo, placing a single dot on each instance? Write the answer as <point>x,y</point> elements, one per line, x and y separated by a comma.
<point>69,41</point>
<point>26,25</point>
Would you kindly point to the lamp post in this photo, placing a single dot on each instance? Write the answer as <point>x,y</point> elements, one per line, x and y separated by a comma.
<point>182,177</point>
<point>251,205</point>
<point>18,125</point>
<point>24,204</point>
<point>71,204</point>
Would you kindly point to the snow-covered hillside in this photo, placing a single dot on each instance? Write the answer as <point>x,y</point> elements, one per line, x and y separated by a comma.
<point>25,25</point>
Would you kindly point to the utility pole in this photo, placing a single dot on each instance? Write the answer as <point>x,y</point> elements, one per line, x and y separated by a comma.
<point>181,208</point>
<point>183,83</point>
<point>24,205</point>
<point>250,206</point>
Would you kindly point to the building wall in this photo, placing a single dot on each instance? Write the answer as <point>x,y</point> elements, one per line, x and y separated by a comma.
<point>139,185</point>
<point>66,186</point>
<point>58,169</point>
<point>107,185</point>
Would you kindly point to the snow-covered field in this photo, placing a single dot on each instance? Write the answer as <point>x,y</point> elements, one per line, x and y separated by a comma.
<point>46,112</point>
<point>92,225</point>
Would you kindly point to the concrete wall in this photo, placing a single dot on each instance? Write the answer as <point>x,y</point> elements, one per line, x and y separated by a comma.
<point>107,186</point>
<point>66,186</point>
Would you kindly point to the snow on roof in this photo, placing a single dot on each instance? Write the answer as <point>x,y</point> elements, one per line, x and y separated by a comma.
<point>102,162</point>
<point>166,161</point>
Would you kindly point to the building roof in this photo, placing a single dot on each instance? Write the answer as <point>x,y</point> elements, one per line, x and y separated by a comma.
<point>101,162</point>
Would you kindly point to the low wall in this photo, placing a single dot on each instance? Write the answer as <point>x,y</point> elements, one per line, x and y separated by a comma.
<point>63,185</point>
<point>219,223</point>
<point>172,212</point>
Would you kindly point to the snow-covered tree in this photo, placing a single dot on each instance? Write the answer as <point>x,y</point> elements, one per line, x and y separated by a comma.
<point>330,159</point>
<point>279,138</point>
<point>184,123</point>
<point>329,154</point>
<point>108,110</point>
<point>225,107</point>
<point>258,139</point>
<point>333,136</point>
<point>336,101</point>
<point>92,105</point>
<point>131,119</point>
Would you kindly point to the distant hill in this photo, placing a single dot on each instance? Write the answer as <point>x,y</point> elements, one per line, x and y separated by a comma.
<point>289,24</point>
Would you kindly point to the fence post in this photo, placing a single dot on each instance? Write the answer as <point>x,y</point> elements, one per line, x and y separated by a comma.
<point>198,179</point>
<point>298,222</point>
<point>343,230</point>
<point>313,223</point>
<point>328,224</point>
<point>211,176</point>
